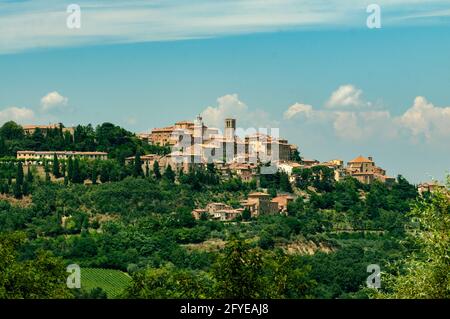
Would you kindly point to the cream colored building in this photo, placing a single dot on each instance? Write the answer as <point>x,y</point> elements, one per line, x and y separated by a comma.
<point>33,156</point>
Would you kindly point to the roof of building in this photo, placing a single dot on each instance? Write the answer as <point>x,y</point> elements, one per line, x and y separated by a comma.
<point>163,129</point>
<point>33,126</point>
<point>361,159</point>
<point>291,164</point>
<point>255,194</point>
<point>307,160</point>
<point>144,157</point>
<point>282,199</point>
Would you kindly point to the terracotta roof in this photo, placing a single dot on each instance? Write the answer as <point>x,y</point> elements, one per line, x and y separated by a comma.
<point>361,159</point>
<point>163,129</point>
<point>258,194</point>
<point>281,200</point>
<point>32,126</point>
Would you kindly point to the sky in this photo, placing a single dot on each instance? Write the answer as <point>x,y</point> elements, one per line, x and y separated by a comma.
<point>313,69</point>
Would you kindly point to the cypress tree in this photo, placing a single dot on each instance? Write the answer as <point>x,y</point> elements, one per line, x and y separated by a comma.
<point>147,169</point>
<point>94,174</point>
<point>63,168</point>
<point>19,176</point>
<point>5,188</point>
<point>25,188</point>
<point>169,174</point>
<point>76,177</point>
<point>3,148</point>
<point>17,190</point>
<point>56,171</point>
<point>156,170</point>
<point>47,171</point>
<point>104,174</point>
<point>29,175</point>
<point>137,171</point>
<point>70,169</point>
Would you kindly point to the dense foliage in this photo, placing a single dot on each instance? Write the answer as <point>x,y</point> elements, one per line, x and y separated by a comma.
<point>138,221</point>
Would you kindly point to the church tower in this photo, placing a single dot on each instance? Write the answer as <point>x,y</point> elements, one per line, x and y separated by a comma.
<point>230,129</point>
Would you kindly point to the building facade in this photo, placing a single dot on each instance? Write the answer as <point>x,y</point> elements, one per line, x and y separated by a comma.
<point>38,156</point>
<point>365,170</point>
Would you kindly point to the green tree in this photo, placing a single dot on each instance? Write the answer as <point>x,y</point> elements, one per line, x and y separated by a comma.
<point>11,130</point>
<point>246,214</point>
<point>295,156</point>
<point>42,277</point>
<point>77,177</point>
<point>19,176</point>
<point>244,272</point>
<point>26,188</point>
<point>30,177</point>
<point>56,171</point>
<point>266,241</point>
<point>94,173</point>
<point>170,282</point>
<point>17,190</point>
<point>425,274</point>
<point>47,171</point>
<point>63,169</point>
<point>156,170</point>
<point>285,184</point>
<point>147,169</point>
<point>239,272</point>
<point>137,169</point>
<point>169,174</point>
<point>3,148</point>
<point>70,168</point>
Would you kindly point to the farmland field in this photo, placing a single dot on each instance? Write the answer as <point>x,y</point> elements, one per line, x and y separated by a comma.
<point>113,282</point>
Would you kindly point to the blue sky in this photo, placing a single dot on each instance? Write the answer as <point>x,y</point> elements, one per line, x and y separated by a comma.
<point>311,68</point>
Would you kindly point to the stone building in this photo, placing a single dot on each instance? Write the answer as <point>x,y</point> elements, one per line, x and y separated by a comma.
<point>260,204</point>
<point>218,211</point>
<point>196,143</point>
<point>365,170</point>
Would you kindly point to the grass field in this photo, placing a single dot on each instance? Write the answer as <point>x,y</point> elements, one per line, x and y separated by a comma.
<point>113,282</point>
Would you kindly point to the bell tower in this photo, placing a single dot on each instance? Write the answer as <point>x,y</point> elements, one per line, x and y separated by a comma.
<point>230,129</point>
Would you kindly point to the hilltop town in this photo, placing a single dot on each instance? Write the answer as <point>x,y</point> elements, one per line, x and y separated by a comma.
<point>182,201</point>
<point>192,145</point>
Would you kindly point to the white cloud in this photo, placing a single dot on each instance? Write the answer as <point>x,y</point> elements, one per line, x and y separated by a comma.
<point>16,114</point>
<point>359,126</point>
<point>28,25</point>
<point>356,123</point>
<point>345,95</point>
<point>297,108</point>
<point>53,100</point>
<point>425,119</point>
<point>230,106</point>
